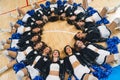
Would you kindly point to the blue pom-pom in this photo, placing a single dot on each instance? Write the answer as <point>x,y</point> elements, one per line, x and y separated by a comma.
<point>112,44</point>
<point>18,66</point>
<point>90,13</point>
<point>69,78</point>
<point>31,12</point>
<point>79,4</point>
<point>38,78</point>
<point>105,20</point>
<point>89,8</point>
<point>42,6</point>
<point>102,21</point>
<point>103,71</point>
<point>47,3</point>
<point>20,22</point>
<point>64,2</point>
<point>15,36</point>
<point>75,4</point>
<point>13,49</point>
<point>59,3</point>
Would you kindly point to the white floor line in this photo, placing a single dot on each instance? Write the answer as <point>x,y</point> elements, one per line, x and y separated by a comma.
<point>59,31</point>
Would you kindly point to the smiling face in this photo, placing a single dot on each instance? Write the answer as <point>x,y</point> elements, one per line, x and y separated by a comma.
<point>56,54</point>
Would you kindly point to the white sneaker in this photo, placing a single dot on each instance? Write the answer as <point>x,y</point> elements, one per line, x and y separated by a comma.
<point>3,41</point>
<point>1,47</point>
<point>118,6</point>
<point>117,28</point>
<point>11,25</point>
<point>12,15</point>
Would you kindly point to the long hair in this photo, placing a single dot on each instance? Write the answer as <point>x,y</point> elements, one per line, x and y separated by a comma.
<point>76,47</point>
<point>58,54</point>
<point>66,47</point>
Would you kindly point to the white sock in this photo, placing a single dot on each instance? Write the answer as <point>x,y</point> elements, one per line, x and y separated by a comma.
<point>1,46</point>
<point>20,75</point>
<point>3,69</point>
<point>5,53</point>
<point>3,41</point>
<point>117,20</point>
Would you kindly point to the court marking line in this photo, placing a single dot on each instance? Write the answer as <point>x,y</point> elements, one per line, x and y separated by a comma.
<point>20,7</point>
<point>58,31</point>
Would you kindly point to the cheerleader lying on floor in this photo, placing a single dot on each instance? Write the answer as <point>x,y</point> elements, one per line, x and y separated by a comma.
<point>75,67</point>
<point>37,68</point>
<point>31,51</point>
<point>96,55</point>
<point>22,43</point>
<point>56,67</point>
<point>95,33</point>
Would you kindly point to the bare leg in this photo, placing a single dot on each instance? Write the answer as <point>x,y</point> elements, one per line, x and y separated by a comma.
<point>104,11</point>
<point>20,11</point>
<point>8,66</point>
<point>110,59</point>
<point>16,25</point>
<point>6,46</point>
<point>89,77</point>
<point>113,9</point>
<point>36,5</point>
<point>27,78</point>
<point>10,53</point>
<point>113,25</point>
<point>85,4</point>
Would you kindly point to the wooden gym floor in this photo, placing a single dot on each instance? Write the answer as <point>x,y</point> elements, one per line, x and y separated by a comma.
<point>56,34</point>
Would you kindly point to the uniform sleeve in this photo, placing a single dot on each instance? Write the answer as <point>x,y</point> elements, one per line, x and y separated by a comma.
<point>93,35</point>
<point>62,70</point>
<point>68,67</point>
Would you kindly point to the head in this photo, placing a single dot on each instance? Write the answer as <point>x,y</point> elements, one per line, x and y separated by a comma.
<point>36,30</point>
<point>56,54</point>
<point>79,25</point>
<point>38,45</point>
<point>68,50</point>
<point>78,45</point>
<point>47,50</point>
<point>39,22</point>
<point>53,0</point>
<point>79,36</point>
<point>36,38</point>
<point>70,1</point>
<point>71,22</point>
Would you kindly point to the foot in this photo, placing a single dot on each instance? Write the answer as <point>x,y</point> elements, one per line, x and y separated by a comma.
<point>117,28</point>
<point>1,47</point>
<point>11,25</point>
<point>3,41</point>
